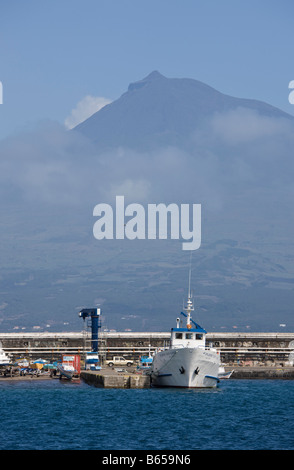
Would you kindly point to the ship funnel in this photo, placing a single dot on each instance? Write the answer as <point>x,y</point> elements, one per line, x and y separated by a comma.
<point>178,323</point>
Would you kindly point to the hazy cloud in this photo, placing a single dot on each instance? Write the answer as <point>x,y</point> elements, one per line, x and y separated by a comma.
<point>235,151</point>
<point>47,164</point>
<point>244,125</point>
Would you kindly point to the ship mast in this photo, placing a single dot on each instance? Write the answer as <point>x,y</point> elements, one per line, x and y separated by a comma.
<point>189,308</point>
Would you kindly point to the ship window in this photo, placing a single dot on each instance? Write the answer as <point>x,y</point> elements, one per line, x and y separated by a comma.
<point>199,336</point>
<point>179,335</point>
<point>189,335</point>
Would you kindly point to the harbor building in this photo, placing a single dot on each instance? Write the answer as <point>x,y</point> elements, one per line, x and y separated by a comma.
<point>235,348</point>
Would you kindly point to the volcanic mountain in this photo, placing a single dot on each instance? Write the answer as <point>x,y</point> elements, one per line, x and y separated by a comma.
<point>165,140</point>
<point>159,111</point>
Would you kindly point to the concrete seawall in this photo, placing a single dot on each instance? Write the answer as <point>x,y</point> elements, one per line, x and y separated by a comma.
<point>259,372</point>
<point>112,379</point>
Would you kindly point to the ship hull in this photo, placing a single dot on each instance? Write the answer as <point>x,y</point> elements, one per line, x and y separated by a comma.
<point>186,368</point>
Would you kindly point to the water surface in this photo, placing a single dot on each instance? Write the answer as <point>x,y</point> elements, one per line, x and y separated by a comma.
<point>53,414</point>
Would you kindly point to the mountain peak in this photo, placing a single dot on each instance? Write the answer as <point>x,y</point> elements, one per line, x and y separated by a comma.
<point>155,75</point>
<point>152,77</point>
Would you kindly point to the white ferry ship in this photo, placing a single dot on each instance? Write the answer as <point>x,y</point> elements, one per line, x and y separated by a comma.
<point>188,362</point>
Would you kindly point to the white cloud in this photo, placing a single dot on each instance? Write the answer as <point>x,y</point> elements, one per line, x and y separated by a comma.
<point>84,109</point>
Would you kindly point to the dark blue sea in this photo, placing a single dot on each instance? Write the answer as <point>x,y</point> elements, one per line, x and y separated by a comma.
<point>59,415</point>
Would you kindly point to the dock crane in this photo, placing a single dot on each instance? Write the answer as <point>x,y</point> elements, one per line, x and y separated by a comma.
<point>94,315</point>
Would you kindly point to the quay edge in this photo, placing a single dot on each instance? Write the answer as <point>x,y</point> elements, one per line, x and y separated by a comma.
<point>110,379</point>
<point>135,381</point>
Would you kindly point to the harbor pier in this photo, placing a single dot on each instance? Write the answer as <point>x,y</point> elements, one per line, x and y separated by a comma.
<point>249,355</point>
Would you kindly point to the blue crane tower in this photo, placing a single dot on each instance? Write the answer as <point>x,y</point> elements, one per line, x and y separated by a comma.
<point>94,315</point>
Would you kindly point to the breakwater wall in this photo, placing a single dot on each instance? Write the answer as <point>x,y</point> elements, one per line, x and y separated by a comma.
<point>235,348</point>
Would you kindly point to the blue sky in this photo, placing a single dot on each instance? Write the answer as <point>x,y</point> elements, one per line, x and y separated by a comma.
<point>53,54</point>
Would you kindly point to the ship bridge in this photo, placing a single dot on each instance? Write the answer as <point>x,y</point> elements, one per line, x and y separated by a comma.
<point>189,337</point>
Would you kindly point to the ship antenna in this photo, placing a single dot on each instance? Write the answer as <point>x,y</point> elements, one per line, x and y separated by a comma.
<point>190,268</point>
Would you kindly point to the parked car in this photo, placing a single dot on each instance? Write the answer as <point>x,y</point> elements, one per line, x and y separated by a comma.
<point>119,361</point>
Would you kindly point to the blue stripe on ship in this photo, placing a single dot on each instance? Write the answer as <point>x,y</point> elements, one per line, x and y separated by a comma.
<point>212,377</point>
